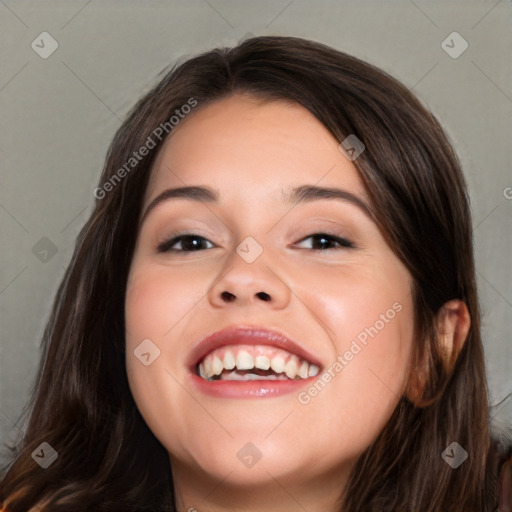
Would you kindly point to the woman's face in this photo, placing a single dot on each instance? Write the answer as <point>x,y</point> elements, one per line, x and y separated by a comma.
<point>312,267</point>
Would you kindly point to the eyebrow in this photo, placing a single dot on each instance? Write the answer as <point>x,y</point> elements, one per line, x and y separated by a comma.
<point>301,194</point>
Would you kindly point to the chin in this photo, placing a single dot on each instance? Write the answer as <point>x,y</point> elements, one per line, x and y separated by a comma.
<point>250,460</point>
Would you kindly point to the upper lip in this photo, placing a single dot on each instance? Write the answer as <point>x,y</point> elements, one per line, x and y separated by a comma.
<point>247,335</point>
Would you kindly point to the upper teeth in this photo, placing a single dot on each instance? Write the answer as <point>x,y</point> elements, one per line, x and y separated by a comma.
<point>261,357</point>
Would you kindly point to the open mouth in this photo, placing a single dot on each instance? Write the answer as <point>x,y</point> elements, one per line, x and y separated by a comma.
<point>253,362</point>
<point>240,362</point>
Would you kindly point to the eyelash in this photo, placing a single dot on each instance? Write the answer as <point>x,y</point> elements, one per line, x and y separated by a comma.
<point>166,246</point>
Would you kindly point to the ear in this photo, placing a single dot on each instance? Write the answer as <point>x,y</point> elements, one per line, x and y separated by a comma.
<point>452,327</point>
<point>453,323</point>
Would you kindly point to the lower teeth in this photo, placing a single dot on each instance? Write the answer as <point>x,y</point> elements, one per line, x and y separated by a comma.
<point>233,375</point>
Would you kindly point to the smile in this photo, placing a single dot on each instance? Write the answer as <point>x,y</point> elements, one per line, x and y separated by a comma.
<point>254,362</point>
<point>250,362</point>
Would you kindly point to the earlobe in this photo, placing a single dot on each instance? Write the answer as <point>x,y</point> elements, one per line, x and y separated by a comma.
<point>452,328</point>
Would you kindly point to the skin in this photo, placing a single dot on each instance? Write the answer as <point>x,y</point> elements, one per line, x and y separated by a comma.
<point>249,151</point>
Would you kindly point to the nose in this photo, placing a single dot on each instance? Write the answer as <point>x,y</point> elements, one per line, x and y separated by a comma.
<point>246,284</point>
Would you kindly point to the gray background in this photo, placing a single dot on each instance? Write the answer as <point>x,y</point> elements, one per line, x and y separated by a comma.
<point>59,114</point>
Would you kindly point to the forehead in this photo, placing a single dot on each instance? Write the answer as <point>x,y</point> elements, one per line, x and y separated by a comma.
<point>250,146</point>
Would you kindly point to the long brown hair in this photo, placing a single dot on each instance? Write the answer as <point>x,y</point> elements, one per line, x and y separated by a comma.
<point>108,459</point>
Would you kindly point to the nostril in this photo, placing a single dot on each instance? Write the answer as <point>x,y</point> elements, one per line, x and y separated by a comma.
<point>227,296</point>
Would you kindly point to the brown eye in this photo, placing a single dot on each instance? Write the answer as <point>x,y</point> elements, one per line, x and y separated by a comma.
<point>324,241</point>
<point>189,243</point>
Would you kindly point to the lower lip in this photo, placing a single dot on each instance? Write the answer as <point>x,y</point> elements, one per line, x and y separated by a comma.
<point>249,388</point>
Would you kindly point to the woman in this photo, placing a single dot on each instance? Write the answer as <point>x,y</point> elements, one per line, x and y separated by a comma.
<point>272,307</point>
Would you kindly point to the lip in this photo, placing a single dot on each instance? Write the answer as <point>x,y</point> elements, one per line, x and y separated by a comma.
<point>248,335</point>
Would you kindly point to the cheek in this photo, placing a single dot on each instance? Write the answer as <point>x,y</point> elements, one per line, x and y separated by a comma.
<point>356,303</point>
<point>152,308</point>
<point>144,310</point>
<point>370,323</point>
<point>157,299</point>
<point>155,310</point>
